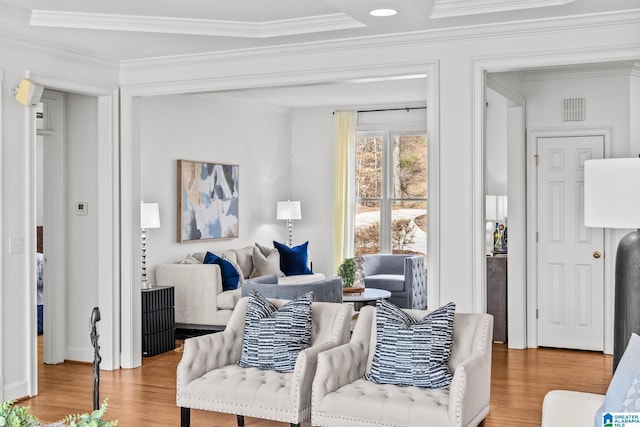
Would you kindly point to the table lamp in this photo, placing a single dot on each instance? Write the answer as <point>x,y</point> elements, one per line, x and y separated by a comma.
<point>611,200</point>
<point>149,218</point>
<point>289,211</point>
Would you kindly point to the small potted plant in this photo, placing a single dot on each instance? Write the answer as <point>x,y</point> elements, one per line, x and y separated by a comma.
<point>347,271</point>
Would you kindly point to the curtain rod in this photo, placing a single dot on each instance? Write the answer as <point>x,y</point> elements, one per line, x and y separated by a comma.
<point>390,109</point>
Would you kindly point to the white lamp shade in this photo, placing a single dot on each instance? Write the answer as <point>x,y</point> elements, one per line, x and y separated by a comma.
<point>149,215</point>
<point>611,196</point>
<point>496,208</point>
<point>289,210</point>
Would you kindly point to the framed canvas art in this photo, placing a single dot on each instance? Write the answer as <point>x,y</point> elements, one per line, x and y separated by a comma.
<point>207,201</point>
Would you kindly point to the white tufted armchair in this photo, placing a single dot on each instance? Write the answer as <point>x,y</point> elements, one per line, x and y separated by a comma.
<point>209,377</point>
<point>342,398</point>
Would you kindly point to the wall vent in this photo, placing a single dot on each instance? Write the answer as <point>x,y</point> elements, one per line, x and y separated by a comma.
<point>573,110</point>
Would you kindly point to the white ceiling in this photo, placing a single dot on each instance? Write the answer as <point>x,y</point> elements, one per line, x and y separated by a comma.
<point>133,29</point>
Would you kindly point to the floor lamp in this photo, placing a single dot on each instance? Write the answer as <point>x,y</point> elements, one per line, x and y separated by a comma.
<point>289,211</point>
<point>149,218</point>
<point>611,200</point>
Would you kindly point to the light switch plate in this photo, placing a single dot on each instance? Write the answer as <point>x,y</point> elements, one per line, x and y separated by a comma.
<point>82,208</point>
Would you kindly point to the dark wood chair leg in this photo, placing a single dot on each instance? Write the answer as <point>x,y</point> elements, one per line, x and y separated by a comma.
<point>240,419</point>
<point>185,417</point>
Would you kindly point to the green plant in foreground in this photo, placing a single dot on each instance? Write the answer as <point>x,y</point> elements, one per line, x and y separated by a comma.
<point>16,416</point>
<point>20,416</point>
<point>347,271</point>
<point>94,419</point>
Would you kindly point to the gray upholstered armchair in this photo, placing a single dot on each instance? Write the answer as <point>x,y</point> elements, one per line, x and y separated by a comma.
<point>341,397</point>
<point>326,290</point>
<point>402,275</point>
<point>209,376</point>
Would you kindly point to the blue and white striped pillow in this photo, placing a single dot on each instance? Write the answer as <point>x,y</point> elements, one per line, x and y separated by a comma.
<point>273,337</point>
<point>410,352</point>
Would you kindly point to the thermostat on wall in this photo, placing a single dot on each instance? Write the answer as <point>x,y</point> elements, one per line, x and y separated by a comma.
<point>82,208</point>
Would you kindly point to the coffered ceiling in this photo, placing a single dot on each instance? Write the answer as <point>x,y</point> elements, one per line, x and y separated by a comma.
<point>126,29</point>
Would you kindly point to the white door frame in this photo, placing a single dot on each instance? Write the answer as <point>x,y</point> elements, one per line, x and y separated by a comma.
<point>108,216</point>
<point>532,219</point>
<point>518,333</point>
<point>130,170</point>
<point>54,226</point>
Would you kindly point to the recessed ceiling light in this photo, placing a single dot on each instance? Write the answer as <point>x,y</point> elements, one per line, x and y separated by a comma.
<point>383,12</point>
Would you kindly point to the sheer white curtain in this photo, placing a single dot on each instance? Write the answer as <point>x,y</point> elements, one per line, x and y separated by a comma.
<point>343,197</point>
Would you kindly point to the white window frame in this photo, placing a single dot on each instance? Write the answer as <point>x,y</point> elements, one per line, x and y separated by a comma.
<point>386,133</point>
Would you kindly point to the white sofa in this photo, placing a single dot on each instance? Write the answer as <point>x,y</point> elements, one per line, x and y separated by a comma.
<point>200,301</point>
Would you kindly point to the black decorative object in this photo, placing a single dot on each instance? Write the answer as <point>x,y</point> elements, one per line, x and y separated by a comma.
<point>627,294</point>
<point>95,318</point>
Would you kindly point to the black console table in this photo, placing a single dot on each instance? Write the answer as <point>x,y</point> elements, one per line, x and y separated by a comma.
<point>497,295</point>
<point>158,320</point>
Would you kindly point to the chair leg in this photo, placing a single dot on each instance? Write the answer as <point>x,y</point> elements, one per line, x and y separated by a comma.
<point>185,417</point>
<point>240,419</point>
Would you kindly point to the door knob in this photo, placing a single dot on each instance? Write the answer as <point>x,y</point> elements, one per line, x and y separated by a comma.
<point>597,254</point>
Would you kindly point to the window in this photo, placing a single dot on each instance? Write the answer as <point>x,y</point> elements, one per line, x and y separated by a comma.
<point>391,192</point>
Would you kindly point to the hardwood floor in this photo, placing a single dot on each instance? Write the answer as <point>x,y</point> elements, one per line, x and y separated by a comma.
<point>146,396</point>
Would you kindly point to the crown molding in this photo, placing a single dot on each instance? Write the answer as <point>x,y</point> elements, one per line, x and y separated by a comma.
<point>556,25</point>
<point>598,70</point>
<point>55,52</point>
<point>451,8</point>
<point>190,26</point>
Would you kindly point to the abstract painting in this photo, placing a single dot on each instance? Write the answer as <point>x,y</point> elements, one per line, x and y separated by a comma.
<point>207,201</point>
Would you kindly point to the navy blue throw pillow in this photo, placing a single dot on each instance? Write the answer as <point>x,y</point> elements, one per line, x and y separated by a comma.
<point>230,276</point>
<point>293,260</point>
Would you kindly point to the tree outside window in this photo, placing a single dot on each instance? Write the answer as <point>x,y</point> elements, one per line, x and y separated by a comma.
<point>391,192</point>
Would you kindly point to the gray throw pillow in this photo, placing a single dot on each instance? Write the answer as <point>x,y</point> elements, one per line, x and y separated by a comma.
<point>410,352</point>
<point>263,265</point>
<point>273,337</point>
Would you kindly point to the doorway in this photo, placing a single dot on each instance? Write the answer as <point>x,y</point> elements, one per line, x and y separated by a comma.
<point>50,208</point>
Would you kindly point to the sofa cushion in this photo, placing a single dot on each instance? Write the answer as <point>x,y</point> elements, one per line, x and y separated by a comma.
<point>194,258</point>
<point>264,265</point>
<point>273,337</point>
<point>293,260</point>
<point>244,257</point>
<point>628,368</point>
<point>227,300</point>
<point>386,405</point>
<point>230,276</point>
<point>410,352</point>
<point>390,282</point>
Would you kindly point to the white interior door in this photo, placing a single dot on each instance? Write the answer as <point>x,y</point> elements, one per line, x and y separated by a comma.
<point>570,262</point>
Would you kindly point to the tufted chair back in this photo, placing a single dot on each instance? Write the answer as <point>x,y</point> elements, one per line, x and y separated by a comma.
<point>403,275</point>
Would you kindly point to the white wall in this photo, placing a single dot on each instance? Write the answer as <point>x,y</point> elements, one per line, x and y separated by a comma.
<point>212,129</point>
<point>496,144</point>
<point>607,99</point>
<point>312,163</point>
<point>81,160</point>
<point>634,112</point>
